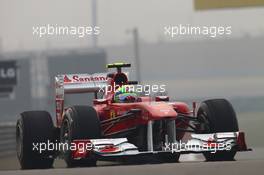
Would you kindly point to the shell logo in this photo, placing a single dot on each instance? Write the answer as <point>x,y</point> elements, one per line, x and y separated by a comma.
<point>66,79</point>
<point>112,114</point>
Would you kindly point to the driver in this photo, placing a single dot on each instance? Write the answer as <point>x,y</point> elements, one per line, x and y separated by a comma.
<point>124,95</point>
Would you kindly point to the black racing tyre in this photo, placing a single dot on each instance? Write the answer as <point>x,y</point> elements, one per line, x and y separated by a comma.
<point>218,115</point>
<point>34,127</point>
<point>80,122</point>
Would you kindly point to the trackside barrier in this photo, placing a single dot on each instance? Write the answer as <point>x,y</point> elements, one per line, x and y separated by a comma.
<point>7,139</point>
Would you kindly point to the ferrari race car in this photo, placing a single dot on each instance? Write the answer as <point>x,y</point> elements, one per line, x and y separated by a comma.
<point>146,129</point>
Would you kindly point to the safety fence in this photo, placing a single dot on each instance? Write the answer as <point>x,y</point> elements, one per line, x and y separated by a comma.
<point>7,139</point>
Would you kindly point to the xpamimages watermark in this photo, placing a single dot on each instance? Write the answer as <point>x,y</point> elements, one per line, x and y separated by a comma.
<point>60,30</point>
<point>210,31</point>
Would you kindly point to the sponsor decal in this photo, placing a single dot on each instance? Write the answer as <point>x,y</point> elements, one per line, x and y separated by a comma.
<point>112,114</point>
<point>211,143</point>
<point>83,78</point>
<point>66,79</point>
<point>8,73</point>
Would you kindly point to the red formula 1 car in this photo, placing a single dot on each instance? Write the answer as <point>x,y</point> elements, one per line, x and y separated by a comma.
<point>146,129</point>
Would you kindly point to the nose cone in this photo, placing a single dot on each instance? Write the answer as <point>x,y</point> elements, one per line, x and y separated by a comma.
<point>160,110</point>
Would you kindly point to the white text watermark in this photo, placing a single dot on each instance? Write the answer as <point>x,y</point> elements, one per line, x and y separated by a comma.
<point>59,30</point>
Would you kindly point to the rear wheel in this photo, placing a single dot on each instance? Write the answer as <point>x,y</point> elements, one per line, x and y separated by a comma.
<point>80,122</point>
<point>218,115</point>
<point>34,128</point>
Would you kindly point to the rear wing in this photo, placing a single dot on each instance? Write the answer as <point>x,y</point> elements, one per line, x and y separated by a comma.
<point>80,83</point>
<point>76,83</point>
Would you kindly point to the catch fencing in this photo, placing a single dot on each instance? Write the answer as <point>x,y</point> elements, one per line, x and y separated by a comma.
<point>7,139</point>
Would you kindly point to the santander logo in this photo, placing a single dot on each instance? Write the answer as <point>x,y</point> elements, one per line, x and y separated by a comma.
<point>83,78</point>
<point>66,79</point>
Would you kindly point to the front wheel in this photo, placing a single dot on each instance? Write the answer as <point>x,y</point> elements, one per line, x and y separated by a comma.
<point>32,129</point>
<point>217,115</point>
<point>80,122</point>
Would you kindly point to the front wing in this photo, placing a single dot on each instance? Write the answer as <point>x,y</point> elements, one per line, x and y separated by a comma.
<point>111,149</point>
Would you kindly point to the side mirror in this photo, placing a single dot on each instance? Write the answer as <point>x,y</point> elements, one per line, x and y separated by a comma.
<point>162,98</point>
<point>100,101</point>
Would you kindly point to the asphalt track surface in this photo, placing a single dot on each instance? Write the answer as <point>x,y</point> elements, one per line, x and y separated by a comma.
<point>248,163</point>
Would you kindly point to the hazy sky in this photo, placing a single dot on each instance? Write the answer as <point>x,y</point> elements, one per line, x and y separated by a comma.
<point>17,17</point>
